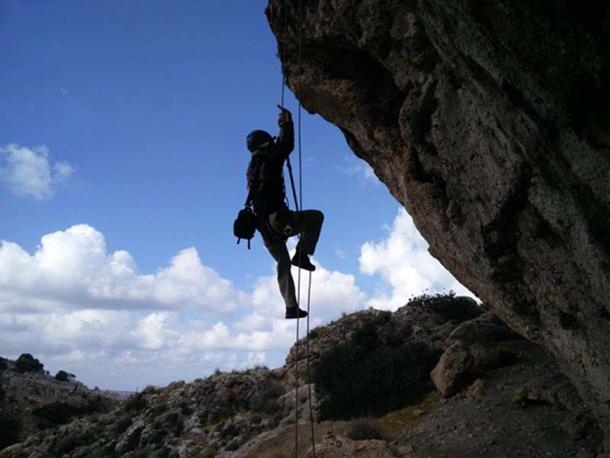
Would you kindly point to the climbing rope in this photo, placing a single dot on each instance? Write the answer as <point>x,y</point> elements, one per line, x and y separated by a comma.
<point>296,369</point>
<point>298,202</point>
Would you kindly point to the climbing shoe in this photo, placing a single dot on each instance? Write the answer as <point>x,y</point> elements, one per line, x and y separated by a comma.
<point>295,312</point>
<point>302,260</point>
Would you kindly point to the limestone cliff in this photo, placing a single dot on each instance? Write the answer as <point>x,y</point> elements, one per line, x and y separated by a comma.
<point>489,121</point>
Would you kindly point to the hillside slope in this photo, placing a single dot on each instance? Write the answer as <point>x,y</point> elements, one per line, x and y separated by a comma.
<point>31,400</point>
<point>507,399</point>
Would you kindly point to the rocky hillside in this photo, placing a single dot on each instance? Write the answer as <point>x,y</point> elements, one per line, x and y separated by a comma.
<point>491,394</point>
<point>489,122</point>
<point>31,400</point>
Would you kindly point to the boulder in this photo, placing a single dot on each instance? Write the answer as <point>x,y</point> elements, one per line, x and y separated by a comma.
<point>453,370</point>
<point>473,347</point>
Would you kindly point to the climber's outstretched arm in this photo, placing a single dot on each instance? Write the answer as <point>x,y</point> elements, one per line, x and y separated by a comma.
<point>285,140</point>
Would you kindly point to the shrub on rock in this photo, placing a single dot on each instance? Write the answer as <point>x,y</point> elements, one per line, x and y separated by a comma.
<point>266,399</point>
<point>59,412</point>
<point>449,306</point>
<point>55,413</point>
<point>362,429</point>
<point>27,363</point>
<point>371,374</point>
<point>63,376</point>
<point>135,403</point>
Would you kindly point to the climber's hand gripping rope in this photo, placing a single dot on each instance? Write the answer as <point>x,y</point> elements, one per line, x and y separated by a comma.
<point>284,116</point>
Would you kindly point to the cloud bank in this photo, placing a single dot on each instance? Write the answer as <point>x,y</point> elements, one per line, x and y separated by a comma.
<point>76,304</point>
<point>72,269</point>
<point>88,310</point>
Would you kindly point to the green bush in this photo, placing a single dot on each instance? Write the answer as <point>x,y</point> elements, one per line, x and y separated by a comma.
<point>27,363</point>
<point>150,389</point>
<point>362,429</point>
<point>372,374</point>
<point>67,442</point>
<point>135,403</point>
<point>121,425</point>
<point>315,332</point>
<point>448,306</point>
<point>63,376</point>
<point>58,412</point>
<point>9,431</point>
<point>265,400</point>
<point>158,409</point>
<point>3,364</point>
<point>185,408</point>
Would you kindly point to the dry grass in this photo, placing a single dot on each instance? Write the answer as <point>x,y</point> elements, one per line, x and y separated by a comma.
<point>407,418</point>
<point>280,442</point>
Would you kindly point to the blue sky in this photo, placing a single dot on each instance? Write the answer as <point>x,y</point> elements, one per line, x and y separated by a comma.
<point>122,130</point>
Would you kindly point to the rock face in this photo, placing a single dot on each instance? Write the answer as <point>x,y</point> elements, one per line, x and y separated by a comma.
<point>489,122</point>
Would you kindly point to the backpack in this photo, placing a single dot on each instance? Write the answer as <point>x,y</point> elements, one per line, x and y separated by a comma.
<point>244,226</point>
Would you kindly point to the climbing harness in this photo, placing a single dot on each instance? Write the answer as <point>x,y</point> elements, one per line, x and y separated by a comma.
<point>298,203</point>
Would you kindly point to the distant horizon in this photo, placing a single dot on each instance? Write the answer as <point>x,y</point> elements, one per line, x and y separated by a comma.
<point>122,167</point>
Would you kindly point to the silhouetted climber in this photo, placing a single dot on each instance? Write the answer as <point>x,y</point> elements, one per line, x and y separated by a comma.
<point>275,221</point>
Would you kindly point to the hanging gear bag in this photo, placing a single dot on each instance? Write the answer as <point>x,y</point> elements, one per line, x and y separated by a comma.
<point>244,226</point>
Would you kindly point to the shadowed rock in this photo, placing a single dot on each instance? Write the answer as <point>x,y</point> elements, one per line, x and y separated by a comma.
<point>489,122</point>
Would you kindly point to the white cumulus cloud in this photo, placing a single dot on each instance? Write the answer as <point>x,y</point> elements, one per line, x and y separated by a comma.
<point>405,266</point>
<point>333,293</point>
<point>88,310</point>
<point>83,308</point>
<point>73,269</point>
<point>28,171</point>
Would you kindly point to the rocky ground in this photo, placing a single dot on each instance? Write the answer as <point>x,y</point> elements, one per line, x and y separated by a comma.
<point>491,394</point>
<point>522,410</point>
<point>31,400</point>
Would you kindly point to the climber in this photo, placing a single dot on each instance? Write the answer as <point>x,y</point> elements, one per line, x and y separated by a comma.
<point>275,221</point>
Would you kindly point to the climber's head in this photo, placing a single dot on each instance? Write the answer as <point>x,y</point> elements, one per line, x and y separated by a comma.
<point>258,139</point>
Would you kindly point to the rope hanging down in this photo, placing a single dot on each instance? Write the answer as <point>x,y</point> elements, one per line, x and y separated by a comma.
<point>298,202</point>
<point>298,205</point>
